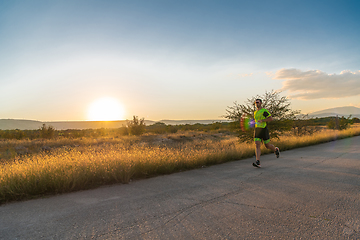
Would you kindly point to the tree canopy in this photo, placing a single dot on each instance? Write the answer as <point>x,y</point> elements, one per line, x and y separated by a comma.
<point>278,106</point>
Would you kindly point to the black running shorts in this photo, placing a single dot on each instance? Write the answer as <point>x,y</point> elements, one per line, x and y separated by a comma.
<point>262,134</point>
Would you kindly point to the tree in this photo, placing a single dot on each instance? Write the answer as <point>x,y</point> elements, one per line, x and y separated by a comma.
<point>47,132</point>
<point>339,123</point>
<point>136,126</point>
<point>304,125</point>
<point>355,120</point>
<point>278,106</point>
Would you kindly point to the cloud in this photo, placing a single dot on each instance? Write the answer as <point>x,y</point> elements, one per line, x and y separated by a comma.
<point>270,74</point>
<point>315,84</point>
<point>245,75</point>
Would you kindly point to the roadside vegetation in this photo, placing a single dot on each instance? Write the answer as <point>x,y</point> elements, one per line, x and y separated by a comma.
<point>68,164</point>
<point>46,161</point>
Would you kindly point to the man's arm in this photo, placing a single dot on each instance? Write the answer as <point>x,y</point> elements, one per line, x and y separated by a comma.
<point>268,119</point>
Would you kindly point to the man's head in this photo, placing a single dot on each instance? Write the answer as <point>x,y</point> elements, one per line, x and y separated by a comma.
<point>258,103</point>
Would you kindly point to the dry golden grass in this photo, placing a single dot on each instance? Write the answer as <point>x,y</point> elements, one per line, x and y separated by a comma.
<point>291,142</point>
<point>89,163</point>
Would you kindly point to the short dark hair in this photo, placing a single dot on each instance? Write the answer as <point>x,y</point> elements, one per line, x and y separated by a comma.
<point>258,100</point>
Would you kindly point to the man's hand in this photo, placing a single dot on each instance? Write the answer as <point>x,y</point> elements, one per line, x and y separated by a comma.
<point>269,119</point>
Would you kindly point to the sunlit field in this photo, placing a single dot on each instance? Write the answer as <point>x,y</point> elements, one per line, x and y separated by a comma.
<point>79,164</point>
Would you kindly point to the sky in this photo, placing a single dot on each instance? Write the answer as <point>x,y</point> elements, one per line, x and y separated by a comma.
<point>178,60</point>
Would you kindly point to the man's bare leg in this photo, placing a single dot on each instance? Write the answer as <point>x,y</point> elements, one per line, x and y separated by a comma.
<point>273,148</point>
<point>257,154</point>
<point>257,150</point>
<point>270,146</point>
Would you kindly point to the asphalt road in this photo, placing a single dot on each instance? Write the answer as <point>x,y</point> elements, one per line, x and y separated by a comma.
<point>308,193</point>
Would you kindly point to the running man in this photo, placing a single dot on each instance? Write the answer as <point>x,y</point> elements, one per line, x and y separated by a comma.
<point>261,133</point>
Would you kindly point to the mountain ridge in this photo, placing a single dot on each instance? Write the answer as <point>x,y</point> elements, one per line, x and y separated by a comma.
<point>338,111</point>
<point>23,124</point>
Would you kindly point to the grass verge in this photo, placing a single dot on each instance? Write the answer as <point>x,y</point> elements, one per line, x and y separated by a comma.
<point>66,170</point>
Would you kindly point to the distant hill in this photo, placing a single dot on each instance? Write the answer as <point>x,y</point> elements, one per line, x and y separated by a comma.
<point>9,124</point>
<point>340,111</point>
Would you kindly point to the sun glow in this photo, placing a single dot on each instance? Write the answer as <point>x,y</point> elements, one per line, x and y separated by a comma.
<point>106,109</point>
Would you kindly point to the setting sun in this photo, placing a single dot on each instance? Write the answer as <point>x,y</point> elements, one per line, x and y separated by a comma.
<point>106,109</point>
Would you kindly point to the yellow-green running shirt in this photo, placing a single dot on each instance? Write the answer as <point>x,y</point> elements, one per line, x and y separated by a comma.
<point>261,115</point>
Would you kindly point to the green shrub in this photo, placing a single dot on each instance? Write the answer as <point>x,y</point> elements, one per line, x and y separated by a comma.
<point>136,126</point>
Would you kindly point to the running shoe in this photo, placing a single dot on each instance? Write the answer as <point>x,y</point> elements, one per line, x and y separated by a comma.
<point>257,164</point>
<point>277,152</point>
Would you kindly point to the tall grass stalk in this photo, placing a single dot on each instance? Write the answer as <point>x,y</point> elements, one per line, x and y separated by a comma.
<point>66,170</point>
